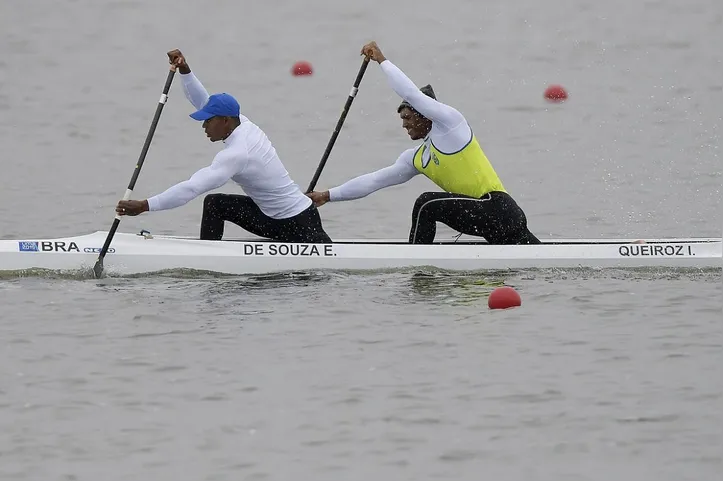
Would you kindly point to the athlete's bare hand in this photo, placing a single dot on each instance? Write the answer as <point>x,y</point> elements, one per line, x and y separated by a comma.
<point>372,52</point>
<point>131,207</point>
<point>176,58</point>
<point>319,198</point>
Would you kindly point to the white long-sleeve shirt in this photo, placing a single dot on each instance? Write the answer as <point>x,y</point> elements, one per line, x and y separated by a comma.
<point>450,133</point>
<point>248,158</point>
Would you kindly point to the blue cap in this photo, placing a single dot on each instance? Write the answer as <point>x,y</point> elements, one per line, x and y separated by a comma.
<point>222,105</point>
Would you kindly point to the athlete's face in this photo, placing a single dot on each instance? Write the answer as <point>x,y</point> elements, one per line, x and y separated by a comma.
<point>415,124</point>
<point>217,128</point>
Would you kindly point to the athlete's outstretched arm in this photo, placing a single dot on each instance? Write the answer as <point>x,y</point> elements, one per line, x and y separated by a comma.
<point>401,171</point>
<point>223,167</point>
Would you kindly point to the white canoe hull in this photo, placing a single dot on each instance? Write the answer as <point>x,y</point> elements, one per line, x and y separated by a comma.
<point>137,254</point>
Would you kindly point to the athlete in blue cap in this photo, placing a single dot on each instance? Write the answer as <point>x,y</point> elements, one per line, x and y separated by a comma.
<point>273,207</point>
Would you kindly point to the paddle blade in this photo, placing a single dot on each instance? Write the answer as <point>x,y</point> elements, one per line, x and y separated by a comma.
<point>98,268</point>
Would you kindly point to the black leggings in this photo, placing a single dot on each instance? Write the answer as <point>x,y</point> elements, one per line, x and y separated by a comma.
<point>495,216</point>
<point>242,211</point>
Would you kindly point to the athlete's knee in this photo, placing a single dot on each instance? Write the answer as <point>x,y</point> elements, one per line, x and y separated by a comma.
<point>531,238</point>
<point>322,237</point>
<point>212,200</point>
<point>423,199</point>
<point>515,236</point>
<point>421,205</point>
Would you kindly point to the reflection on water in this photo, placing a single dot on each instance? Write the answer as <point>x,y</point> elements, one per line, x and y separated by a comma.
<point>418,278</point>
<point>76,274</point>
<point>450,288</point>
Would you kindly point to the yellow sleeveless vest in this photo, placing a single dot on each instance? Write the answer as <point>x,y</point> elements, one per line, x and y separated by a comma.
<point>466,172</point>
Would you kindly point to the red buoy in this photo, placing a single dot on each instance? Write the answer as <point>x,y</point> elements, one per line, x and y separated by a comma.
<point>504,298</point>
<point>302,68</point>
<point>555,93</point>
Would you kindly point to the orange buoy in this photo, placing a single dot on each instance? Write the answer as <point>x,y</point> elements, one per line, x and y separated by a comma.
<point>504,298</point>
<point>301,68</point>
<point>555,93</point>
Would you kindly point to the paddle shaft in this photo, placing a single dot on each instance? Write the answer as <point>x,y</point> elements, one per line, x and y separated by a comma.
<point>98,268</point>
<point>344,112</point>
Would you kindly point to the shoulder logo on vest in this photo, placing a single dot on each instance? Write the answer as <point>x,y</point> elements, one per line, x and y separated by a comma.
<point>435,159</point>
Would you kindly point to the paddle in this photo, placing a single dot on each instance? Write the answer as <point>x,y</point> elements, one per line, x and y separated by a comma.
<point>347,106</point>
<point>98,268</point>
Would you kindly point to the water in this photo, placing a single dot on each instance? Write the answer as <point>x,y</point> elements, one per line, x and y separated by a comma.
<point>397,375</point>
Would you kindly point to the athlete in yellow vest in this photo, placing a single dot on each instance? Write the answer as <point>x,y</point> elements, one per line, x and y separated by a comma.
<point>474,201</point>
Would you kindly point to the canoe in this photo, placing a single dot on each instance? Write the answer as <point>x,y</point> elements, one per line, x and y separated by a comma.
<point>144,253</point>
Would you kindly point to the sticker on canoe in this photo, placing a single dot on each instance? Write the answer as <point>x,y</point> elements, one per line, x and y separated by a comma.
<point>57,246</point>
<point>295,250</point>
<point>47,246</point>
<point>28,246</point>
<point>96,250</point>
